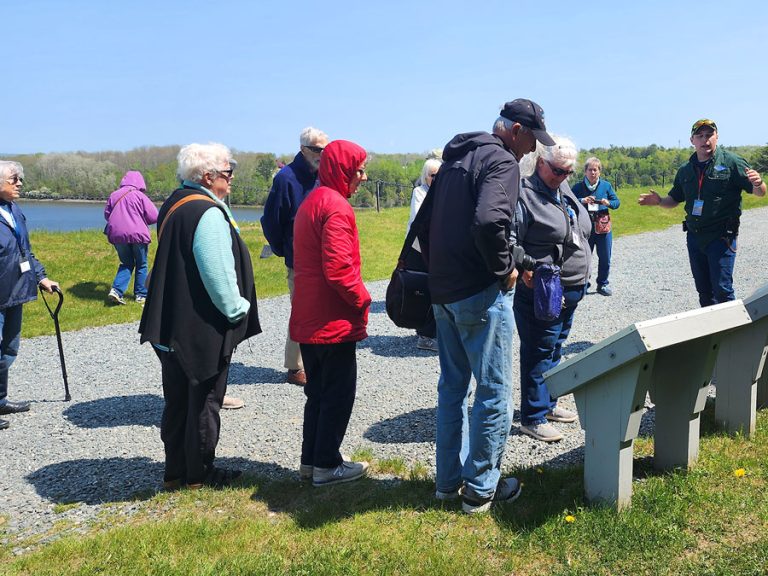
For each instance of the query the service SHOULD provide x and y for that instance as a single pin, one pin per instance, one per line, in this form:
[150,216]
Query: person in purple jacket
[128,213]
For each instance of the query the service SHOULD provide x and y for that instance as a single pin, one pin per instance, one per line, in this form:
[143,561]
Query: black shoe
[604,290]
[217,478]
[4,424]
[14,407]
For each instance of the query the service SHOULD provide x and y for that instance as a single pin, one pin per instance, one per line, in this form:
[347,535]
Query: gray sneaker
[544,432]
[562,415]
[344,472]
[425,343]
[450,495]
[507,490]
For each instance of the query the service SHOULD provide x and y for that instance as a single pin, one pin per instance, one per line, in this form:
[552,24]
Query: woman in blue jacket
[20,274]
[598,196]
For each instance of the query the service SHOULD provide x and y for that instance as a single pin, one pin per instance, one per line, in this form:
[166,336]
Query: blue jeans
[10,337]
[474,337]
[131,256]
[712,269]
[540,349]
[604,243]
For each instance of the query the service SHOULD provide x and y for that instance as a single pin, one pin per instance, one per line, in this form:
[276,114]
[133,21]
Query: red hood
[338,163]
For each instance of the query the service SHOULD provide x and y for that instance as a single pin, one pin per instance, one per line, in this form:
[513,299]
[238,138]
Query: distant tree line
[391,177]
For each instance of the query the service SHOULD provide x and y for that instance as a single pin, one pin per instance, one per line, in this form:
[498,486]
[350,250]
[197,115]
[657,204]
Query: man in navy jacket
[289,188]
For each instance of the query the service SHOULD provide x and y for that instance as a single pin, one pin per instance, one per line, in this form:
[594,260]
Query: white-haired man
[289,188]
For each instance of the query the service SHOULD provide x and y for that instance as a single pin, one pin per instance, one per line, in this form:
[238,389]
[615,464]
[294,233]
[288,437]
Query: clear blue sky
[395,76]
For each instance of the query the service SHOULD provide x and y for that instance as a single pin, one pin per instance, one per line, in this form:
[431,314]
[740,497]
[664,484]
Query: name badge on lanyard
[25,266]
[698,206]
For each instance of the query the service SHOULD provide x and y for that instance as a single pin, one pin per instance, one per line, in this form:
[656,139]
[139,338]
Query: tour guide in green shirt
[710,184]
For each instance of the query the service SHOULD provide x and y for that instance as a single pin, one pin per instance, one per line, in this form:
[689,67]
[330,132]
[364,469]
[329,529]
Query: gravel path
[103,447]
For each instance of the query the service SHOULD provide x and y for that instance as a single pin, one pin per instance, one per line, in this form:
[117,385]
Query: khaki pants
[293,359]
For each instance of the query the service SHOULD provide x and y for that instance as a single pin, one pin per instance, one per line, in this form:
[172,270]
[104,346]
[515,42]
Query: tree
[760,160]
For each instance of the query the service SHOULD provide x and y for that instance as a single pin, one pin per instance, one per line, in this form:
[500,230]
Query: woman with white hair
[200,305]
[20,275]
[553,228]
[426,334]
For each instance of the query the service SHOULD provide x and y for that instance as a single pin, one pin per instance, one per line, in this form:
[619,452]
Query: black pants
[330,390]
[190,425]
[414,261]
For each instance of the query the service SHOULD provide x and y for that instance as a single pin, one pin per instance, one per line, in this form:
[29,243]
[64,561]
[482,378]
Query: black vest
[178,312]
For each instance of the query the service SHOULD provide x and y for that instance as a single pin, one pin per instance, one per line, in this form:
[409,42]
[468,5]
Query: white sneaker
[115,297]
[141,300]
[452,495]
[344,472]
[562,415]
[544,432]
[232,403]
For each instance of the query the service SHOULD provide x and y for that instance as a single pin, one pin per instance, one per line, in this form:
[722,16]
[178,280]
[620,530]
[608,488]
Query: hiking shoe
[544,432]
[297,377]
[4,424]
[344,472]
[232,403]
[424,343]
[306,471]
[604,290]
[450,495]
[562,415]
[141,300]
[507,490]
[115,297]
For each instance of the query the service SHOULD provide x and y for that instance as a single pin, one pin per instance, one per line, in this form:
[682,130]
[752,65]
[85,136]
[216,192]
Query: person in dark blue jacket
[20,274]
[289,188]
[598,196]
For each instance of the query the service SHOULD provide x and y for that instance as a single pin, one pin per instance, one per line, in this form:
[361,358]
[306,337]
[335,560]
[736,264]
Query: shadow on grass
[138,410]
[543,496]
[91,291]
[415,426]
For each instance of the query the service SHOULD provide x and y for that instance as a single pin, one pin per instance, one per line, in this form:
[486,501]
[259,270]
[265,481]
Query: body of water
[63,216]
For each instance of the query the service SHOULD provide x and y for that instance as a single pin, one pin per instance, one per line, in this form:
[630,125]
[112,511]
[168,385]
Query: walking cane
[55,315]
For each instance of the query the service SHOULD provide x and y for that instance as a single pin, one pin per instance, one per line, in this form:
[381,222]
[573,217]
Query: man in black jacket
[472,275]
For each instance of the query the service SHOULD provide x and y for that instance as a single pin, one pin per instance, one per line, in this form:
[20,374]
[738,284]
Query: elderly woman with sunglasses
[200,305]
[20,275]
[553,227]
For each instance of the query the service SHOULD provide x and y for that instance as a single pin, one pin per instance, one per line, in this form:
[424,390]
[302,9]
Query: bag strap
[422,216]
[130,189]
[179,204]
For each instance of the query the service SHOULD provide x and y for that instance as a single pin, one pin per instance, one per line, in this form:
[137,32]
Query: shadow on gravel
[394,346]
[98,481]
[138,410]
[378,307]
[576,347]
[241,374]
[416,426]
[91,291]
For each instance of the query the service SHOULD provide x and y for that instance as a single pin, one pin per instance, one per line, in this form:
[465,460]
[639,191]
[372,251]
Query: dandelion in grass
[570,519]
[539,471]
[739,472]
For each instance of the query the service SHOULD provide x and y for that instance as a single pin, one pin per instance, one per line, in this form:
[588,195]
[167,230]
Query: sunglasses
[16,180]
[558,171]
[360,172]
[315,149]
[226,174]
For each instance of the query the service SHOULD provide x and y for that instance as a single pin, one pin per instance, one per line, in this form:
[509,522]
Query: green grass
[705,521]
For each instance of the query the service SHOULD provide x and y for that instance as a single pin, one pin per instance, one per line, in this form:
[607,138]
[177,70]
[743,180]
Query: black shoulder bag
[408,302]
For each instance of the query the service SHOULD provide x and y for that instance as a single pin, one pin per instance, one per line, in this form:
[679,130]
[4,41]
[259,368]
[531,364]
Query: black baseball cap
[530,115]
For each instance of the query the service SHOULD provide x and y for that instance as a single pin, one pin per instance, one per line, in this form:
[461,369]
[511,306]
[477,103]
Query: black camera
[521,258]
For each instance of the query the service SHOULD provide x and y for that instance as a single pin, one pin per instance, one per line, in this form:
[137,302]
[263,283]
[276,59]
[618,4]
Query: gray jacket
[549,233]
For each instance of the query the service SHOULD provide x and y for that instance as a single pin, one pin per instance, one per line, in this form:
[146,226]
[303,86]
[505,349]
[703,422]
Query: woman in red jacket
[330,311]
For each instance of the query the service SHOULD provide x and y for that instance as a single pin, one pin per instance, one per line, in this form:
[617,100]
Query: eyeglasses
[315,149]
[360,172]
[16,180]
[433,175]
[558,171]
